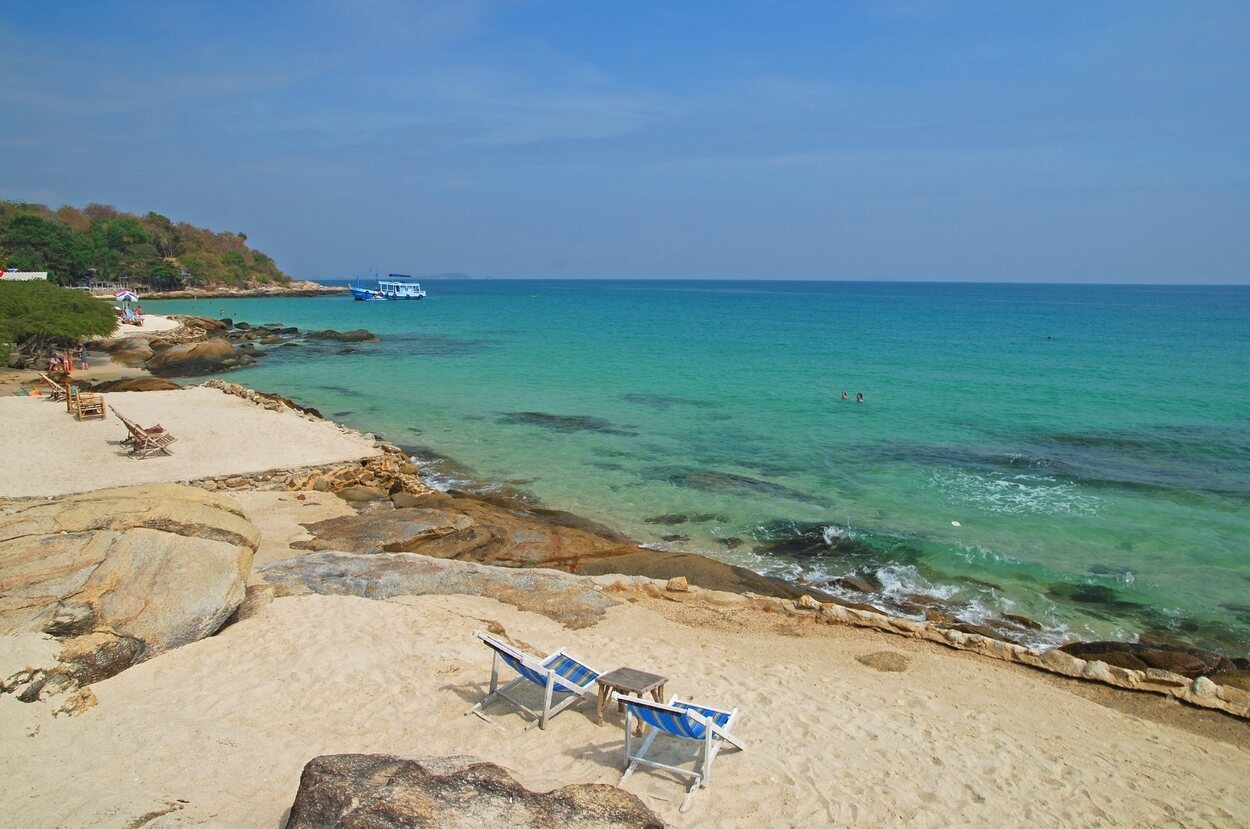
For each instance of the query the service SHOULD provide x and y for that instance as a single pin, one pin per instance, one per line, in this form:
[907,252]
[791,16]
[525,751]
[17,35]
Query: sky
[895,140]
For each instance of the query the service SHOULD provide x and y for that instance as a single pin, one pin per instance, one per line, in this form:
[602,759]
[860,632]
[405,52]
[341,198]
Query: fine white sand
[152,323]
[45,451]
[217,732]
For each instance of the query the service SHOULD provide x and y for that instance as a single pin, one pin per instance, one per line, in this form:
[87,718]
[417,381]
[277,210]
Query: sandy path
[45,451]
[218,731]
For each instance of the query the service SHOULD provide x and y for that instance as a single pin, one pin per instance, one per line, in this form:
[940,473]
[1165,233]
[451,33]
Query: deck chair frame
[145,443]
[540,674]
[59,392]
[714,738]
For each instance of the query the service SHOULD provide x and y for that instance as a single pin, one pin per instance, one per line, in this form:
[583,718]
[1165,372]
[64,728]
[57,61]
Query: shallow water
[1078,454]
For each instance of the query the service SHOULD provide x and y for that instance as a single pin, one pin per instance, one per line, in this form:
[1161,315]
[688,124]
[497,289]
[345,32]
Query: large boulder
[384,792]
[116,577]
[204,357]
[128,351]
[1186,661]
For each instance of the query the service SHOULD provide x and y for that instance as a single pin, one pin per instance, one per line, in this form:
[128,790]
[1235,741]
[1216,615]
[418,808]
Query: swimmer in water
[844,397]
[859,397]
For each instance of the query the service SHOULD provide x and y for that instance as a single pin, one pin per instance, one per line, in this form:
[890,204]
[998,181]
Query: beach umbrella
[127,296]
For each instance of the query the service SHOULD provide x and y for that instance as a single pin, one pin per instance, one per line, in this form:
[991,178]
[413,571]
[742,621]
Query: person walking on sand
[859,397]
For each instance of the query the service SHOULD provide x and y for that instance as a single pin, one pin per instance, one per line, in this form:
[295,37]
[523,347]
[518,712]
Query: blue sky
[1091,142]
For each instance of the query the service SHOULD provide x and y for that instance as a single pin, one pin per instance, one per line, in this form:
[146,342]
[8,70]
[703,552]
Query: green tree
[37,317]
[36,244]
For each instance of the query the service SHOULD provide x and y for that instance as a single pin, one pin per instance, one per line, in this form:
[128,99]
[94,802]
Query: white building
[22,276]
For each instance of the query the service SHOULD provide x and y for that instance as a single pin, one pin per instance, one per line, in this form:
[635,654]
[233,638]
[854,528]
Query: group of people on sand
[65,363]
[859,397]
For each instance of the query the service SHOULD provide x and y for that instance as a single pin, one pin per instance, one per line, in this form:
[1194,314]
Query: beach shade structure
[126,296]
[563,679]
[708,727]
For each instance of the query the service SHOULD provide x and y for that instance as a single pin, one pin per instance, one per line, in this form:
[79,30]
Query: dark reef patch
[711,481]
[564,423]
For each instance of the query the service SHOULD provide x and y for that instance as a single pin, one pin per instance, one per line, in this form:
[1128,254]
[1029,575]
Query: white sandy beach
[216,733]
[48,452]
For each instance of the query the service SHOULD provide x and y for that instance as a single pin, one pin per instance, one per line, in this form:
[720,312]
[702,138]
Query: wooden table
[632,681]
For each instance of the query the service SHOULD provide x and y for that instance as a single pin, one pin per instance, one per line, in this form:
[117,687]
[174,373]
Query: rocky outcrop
[115,577]
[1188,662]
[358,335]
[384,792]
[205,357]
[128,351]
[570,600]
[509,534]
[137,384]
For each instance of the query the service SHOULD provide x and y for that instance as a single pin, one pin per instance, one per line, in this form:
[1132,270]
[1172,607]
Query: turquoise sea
[1076,454]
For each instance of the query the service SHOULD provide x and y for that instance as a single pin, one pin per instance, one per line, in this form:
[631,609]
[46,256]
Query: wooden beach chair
[559,675]
[84,405]
[59,392]
[144,443]
[709,727]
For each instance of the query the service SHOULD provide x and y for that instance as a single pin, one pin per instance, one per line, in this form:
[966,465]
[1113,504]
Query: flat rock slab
[385,792]
[570,600]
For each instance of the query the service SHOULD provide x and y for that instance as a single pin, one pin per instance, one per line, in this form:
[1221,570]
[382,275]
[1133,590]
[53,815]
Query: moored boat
[396,286]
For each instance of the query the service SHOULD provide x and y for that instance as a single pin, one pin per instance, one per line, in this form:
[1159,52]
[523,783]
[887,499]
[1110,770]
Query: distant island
[100,248]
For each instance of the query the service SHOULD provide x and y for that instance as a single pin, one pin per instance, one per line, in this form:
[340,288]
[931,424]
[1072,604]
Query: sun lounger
[144,443]
[558,675]
[698,723]
[84,405]
[58,391]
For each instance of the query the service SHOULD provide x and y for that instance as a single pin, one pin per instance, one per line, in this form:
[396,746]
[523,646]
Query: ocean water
[1076,454]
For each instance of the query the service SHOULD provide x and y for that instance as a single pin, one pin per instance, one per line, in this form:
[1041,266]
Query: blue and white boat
[396,286]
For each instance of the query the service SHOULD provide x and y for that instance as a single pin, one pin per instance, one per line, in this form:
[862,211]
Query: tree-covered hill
[102,243]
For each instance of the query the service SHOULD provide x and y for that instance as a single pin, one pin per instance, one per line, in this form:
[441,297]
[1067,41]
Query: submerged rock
[739,484]
[564,423]
[375,791]
[358,335]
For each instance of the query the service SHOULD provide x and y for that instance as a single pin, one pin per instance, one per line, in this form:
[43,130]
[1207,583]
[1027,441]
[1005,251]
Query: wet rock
[671,518]
[861,583]
[885,661]
[674,537]
[384,792]
[358,335]
[1093,594]
[1023,621]
[732,542]
[1186,661]
[784,538]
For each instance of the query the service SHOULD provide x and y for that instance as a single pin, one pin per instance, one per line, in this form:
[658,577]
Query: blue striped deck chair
[564,679]
[701,723]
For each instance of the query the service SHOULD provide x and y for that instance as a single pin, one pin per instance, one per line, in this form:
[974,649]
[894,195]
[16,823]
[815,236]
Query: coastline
[327,645]
[704,572]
